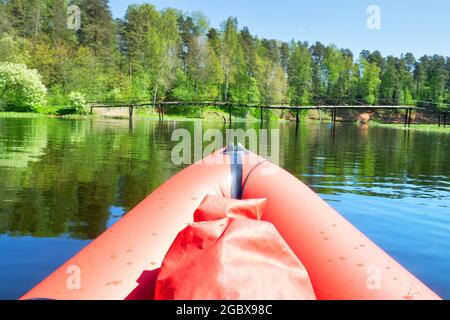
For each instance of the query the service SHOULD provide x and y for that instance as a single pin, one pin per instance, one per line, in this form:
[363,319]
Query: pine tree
[5,23]
[26,16]
[97,28]
[391,86]
[57,22]
[318,71]
[300,76]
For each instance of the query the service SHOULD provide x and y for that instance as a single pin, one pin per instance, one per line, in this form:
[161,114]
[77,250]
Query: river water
[63,182]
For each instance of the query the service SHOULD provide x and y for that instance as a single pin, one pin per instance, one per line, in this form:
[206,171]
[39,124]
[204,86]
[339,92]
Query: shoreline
[430,128]
[218,116]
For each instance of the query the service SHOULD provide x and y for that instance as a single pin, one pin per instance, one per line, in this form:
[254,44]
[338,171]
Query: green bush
[114,95]
[77,102]
[21,89]
[56,97]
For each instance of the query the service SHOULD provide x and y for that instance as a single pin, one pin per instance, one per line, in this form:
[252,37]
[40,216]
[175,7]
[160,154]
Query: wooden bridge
[161,105]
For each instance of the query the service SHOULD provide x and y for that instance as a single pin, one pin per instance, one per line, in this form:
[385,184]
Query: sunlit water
[64,182]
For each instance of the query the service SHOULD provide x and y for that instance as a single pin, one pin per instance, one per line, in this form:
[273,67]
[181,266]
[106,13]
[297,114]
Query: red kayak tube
[123,263]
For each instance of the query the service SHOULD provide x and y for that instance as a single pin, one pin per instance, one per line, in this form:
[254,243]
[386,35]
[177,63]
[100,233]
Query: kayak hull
[123,262]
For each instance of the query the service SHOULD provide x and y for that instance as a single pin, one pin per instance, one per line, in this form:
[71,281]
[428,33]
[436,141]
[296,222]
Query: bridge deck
[282,106]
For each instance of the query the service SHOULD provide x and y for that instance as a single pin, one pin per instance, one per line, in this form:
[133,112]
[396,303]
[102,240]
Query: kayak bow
[123,262]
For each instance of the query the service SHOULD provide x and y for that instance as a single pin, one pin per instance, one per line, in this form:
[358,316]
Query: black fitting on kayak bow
[235,152]
[233,149]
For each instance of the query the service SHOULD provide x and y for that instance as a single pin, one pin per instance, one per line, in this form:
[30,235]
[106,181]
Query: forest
[163,55]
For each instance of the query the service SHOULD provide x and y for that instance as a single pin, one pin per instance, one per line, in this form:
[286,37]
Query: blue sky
[420,27]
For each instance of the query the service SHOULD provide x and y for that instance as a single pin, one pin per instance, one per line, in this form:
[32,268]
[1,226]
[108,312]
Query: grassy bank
[213,114]
[39,111]
[28,115]
[414,127]
[206,113]
[5,114]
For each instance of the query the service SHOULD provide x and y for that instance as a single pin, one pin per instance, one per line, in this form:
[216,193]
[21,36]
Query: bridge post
[159,112]
[410,118]
[333,116]
[406,117]
[229,113]
[262,114]
[131,111]
[297,117]
[130,125]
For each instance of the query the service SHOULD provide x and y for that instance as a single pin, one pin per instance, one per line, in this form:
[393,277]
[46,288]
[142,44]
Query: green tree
[406,68]
[438,78]
[318,71]
[56,26]
[97,28]
[21,89]
[167,58]
[333,66]
[152,40]
[27,16]
[13,50]
[230,48]
[300,73]
[271,76]
[169,54]
[370,81]
[199,61]
[5,23]
[391,86]
[338,75]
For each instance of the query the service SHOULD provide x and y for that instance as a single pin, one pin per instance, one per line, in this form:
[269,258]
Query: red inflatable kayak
[123,263]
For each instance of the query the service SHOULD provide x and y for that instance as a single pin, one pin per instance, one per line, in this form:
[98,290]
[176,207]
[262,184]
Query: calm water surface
[64,182]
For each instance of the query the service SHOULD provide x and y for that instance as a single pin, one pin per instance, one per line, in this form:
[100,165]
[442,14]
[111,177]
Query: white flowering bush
[78,103]
[21,89]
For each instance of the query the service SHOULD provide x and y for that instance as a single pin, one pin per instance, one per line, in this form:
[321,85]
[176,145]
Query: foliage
[12,50]
[370,81]
[300,76]
[173,55]
[77,101]
[21,89]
